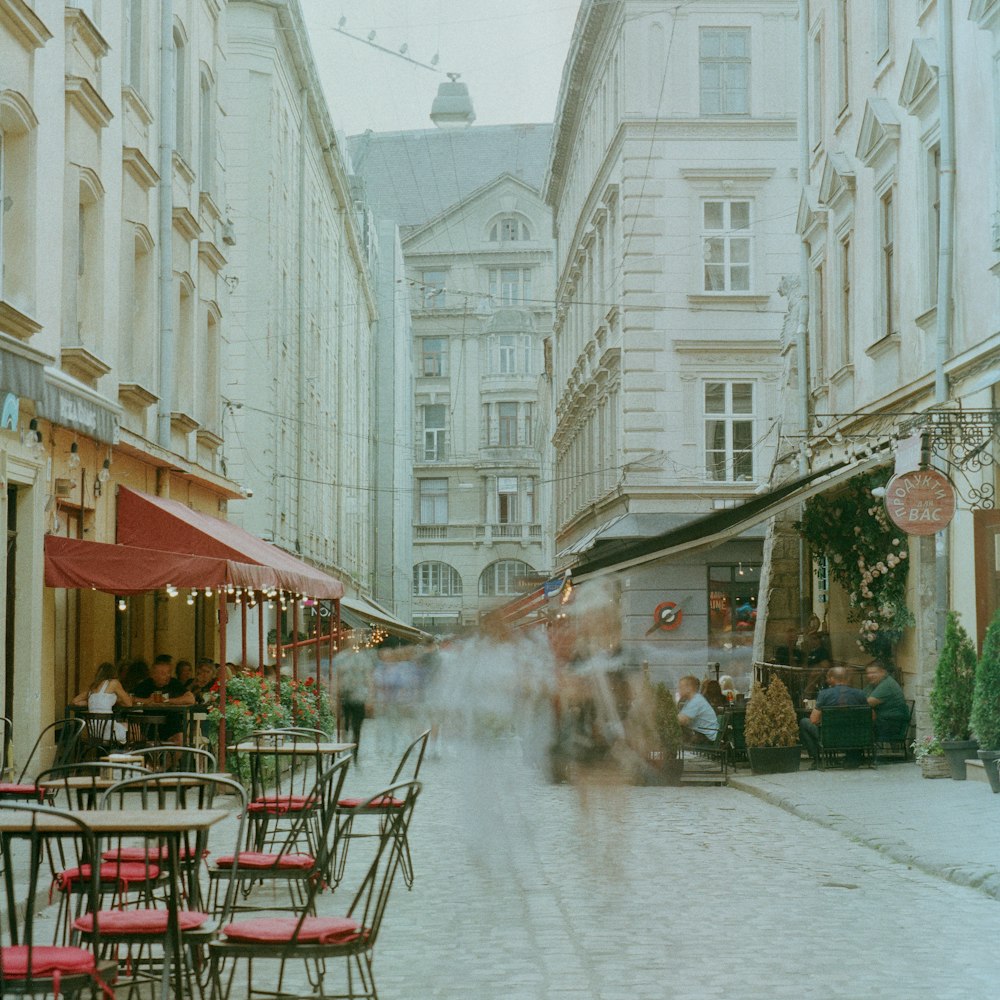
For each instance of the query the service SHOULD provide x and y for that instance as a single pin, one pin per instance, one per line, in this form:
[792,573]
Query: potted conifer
[986,703]
[668,735]
[951,697]
[772,730]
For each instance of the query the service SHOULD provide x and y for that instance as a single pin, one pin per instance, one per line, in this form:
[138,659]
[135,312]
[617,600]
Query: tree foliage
[954,682]
[986,694]
[771,719]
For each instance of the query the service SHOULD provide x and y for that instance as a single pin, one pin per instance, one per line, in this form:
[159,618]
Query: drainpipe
[300,447]
[945,277]
[802,323]
[168,126]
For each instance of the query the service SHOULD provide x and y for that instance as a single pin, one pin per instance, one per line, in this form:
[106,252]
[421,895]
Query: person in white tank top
[101,697]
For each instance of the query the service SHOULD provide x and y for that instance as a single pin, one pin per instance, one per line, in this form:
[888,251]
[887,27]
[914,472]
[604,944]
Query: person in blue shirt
[838,694]
[699,723]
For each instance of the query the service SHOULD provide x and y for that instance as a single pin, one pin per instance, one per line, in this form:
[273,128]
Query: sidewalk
[942,827]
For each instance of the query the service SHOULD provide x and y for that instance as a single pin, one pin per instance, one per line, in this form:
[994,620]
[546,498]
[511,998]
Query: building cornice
[143,172]
[24,25]
[82,95]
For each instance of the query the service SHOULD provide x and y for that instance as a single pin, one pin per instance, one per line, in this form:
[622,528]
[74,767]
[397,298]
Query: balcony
[523,533]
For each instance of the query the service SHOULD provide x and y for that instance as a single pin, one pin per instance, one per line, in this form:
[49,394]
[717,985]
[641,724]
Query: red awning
[169,526]
[128,569]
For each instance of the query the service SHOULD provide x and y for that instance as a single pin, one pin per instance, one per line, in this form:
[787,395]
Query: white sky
[510,53]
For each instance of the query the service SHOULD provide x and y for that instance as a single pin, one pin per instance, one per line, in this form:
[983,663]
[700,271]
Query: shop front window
[732,604]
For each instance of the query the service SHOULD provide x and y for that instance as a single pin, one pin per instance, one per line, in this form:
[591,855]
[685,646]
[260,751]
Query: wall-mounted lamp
[105,474]
[74,455]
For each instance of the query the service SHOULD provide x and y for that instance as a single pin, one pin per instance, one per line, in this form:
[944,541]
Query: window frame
[505,294]
[438,434]
[728,417]
[430,509]
[427,356]
[435,578]
[434,294]
[724,62]
[727,235]
[888,281]
[489,582]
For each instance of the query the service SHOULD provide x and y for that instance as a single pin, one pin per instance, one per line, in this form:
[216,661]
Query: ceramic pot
[774,760]
[990,759]
[957,752]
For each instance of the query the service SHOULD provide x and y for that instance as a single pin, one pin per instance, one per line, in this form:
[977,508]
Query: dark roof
[412,177]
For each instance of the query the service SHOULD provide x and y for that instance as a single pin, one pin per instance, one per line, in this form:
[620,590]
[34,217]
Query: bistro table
[193,715]
[302,748]
[170,825]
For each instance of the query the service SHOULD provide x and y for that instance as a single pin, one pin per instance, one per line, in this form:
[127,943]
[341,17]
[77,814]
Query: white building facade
[672,184]
[902,207]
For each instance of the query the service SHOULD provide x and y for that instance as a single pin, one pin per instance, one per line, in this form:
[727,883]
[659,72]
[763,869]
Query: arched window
[436,579]
[206,133]
[504,578]
[181,98]
[509,229]
[17,192]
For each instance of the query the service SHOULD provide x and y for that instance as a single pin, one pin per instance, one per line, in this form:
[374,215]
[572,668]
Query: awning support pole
[295,638]
[223,622]
[261,604]
[243,631]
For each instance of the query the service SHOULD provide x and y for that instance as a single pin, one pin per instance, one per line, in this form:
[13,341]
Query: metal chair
[170,757]
[79,786]
[318,940]
[66,734]
[28,968]
[716,754]
[143,926]
[847,730]
[898,741]
[98,737]
[352,808]
[284,865]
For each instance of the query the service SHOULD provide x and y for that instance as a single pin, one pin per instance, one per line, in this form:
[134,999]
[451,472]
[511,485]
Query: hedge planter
[990,759]
[774,760]
[957,752]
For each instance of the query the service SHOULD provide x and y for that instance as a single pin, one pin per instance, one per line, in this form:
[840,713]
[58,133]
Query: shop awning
[721,525]
[360,609]
[129,569]
[151,522]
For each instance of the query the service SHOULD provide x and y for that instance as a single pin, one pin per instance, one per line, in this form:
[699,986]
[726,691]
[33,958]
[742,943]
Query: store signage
[921,502]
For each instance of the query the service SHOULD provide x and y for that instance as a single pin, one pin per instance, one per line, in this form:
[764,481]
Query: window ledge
[134,100]
[842,374]
[17,323]
[888,343]
[927,320]
[723,300]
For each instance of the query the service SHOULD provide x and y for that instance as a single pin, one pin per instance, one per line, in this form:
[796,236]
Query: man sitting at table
[163,688]
[886,697]
[699,723]
[838,695]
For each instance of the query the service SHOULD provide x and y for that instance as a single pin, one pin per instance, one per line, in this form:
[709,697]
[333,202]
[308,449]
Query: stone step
[975,771]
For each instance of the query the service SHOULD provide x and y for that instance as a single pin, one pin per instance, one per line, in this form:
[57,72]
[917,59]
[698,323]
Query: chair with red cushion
[284,866]
[65,733]
[349,809]
[29,966]
[317,940]
[141,927]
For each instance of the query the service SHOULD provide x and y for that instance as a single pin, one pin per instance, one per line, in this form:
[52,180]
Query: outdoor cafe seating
[65,733]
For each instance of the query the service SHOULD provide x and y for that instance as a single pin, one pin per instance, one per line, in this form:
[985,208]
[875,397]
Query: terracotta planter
[774,760]
[957,752]
[991,760]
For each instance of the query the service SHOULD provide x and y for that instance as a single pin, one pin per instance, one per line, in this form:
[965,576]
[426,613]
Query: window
[529,500]
[180,93]
[846,318]
[510,286]
[509,229]
[886,239]
[206,140]
[436,579]
[17,219]
[434,294]
[726,241]
[881,29]
[90,248]
[433,495]
[133,74]
[724,68]
[433,356]
[504,578]
[529,430]
[732,604]
[512,354]
[729,409]
[816,96]
[933,219]
[817,296]
[843,55]
[507,499]
[507,424]
[435,442]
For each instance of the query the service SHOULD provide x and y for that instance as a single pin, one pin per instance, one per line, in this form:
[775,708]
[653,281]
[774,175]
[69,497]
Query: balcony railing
[509,532]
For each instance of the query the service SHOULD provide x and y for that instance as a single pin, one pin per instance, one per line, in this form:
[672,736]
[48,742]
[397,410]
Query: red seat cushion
[384,802]
[11,789]
[45,961]
[257,859]
[138,921]
[314,930]
[140,854]
[281,803]
[111,871]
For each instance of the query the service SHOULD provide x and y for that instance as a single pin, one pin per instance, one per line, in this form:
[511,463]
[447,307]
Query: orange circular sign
[667,616]
[920,502]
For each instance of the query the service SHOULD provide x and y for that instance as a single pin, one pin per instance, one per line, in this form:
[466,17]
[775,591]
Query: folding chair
[317,940]
[66,733]
[349,809]
[28,968]
[285,866]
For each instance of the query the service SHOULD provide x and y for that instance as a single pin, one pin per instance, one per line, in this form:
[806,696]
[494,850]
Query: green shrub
[986,695]
[668,727]
[771,719]
[954,682]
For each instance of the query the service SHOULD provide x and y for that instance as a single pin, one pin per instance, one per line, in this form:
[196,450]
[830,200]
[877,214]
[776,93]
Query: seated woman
[711,690]
[100,698]
[728,687]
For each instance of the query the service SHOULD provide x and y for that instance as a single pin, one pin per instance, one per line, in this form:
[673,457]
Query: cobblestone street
[527,891]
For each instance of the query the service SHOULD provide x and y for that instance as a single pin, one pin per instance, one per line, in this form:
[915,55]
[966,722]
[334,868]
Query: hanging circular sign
[920,502]
[667,616]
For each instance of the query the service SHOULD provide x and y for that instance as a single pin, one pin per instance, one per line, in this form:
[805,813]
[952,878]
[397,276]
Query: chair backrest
[47,833]
[847,727]
[408,768]
[369,903]
[6,738]
[179,758]
[274,771]
[80,786]
[66,734]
